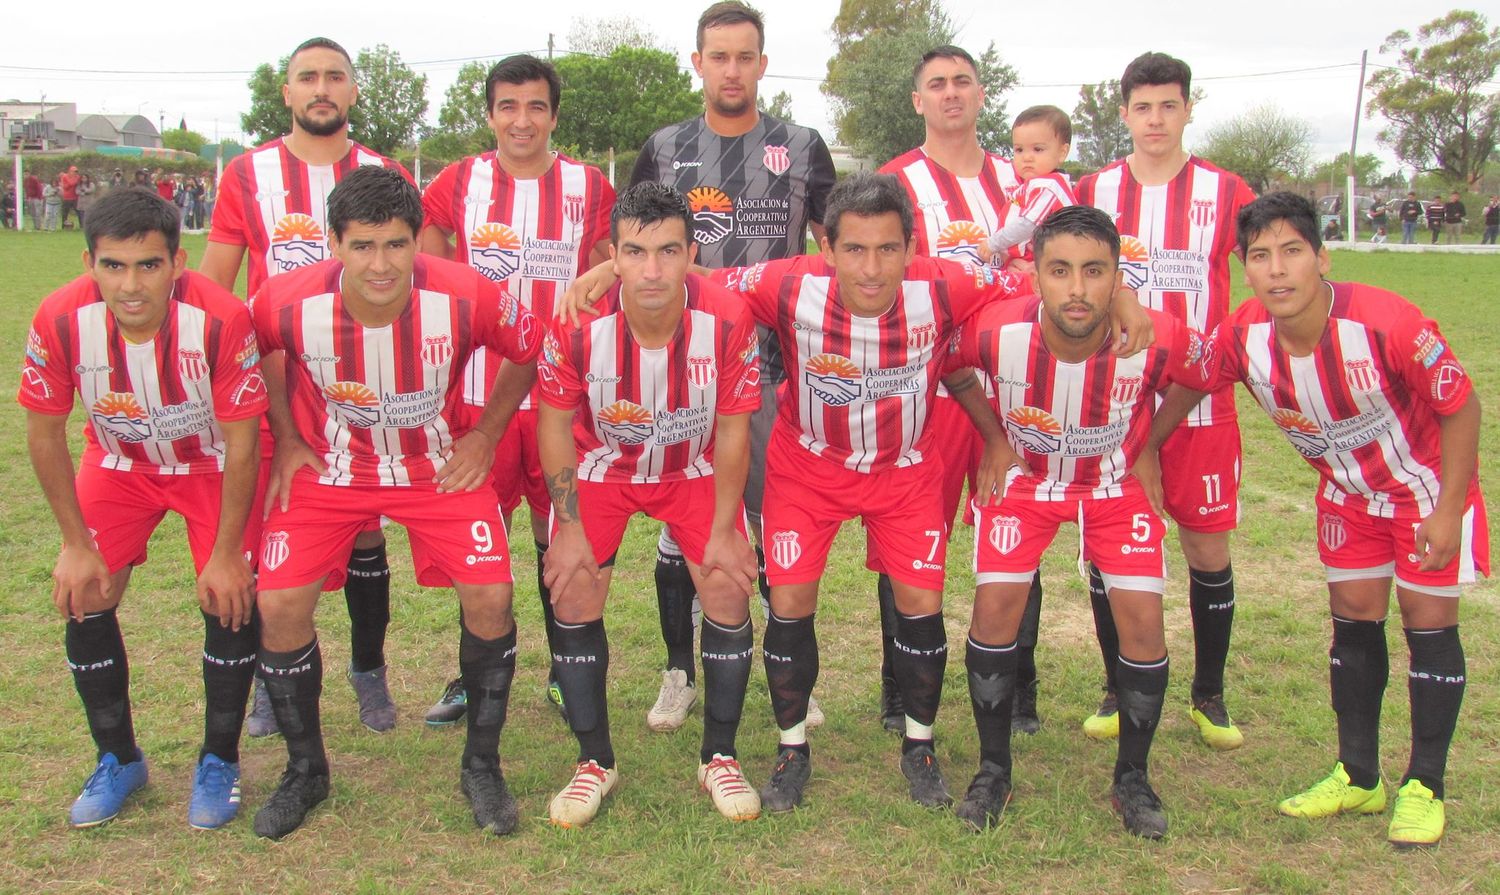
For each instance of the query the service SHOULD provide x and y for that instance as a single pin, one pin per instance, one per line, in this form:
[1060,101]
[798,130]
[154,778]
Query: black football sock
[1141,688]
[1211,601]
[992,690]
[790,652]
[674,604]
[1436,684]
[294,682]
[887,597]
[726,653]
[1358,666]
[487,667]
[549,620]
[96,656]
[921,655]
[367,592]
[581,665]
[1026,637]
[762,583]
[228,669]
[1104,627]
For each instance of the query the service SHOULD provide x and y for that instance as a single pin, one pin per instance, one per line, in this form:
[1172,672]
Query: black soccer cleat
[783,791]
[987,797]
[1138,806]
[1023,716]
[495,809]
[295,795]
[925,778]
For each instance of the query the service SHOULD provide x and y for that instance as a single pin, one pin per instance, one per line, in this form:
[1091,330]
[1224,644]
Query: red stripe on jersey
[944,202]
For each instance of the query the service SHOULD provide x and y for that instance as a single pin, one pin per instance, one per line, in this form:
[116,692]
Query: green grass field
[396,821]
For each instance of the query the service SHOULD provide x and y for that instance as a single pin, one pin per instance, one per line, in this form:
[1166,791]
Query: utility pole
[549,46]
[1359,103]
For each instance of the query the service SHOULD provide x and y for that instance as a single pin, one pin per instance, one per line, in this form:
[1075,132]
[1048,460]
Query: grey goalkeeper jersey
[752,196]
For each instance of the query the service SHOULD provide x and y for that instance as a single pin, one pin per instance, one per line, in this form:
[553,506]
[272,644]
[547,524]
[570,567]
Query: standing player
[960,193]
[375,343]
[647,409]
[273,203]
[1369,392]
[1175,213]
[1075,416]
[166,365]
[755,185]
[531,220]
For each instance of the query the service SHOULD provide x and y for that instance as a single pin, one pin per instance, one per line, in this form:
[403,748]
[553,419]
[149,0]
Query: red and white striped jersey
[152,407]
[380,404]
[859,390]
[1175,243]
[1034,201]
[955,215]
[647,414]
[532,236]
[1077,426]
[1363,408]
[276,206]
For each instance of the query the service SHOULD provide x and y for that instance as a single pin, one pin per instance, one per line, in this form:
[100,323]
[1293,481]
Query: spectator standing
[1379,217]
[1435,217]
[1410,214]
[88,194]
[197,208]
[68,182]
[210,196]
[116,179]
[166,187]
[143,178]
[33,187]
[9,201]
[1454,215]
[1491,221]
[52,203]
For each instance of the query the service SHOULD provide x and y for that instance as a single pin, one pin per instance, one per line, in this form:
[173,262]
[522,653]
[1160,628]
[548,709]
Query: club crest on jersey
[834,379]
[1034,429]
[119,414]
[1446,380]
[572,204]
[1304,434]
[749,383]
[191,365]
[777,160]
[701,372]
[625,422]
[1126,389]
[785,551]
[1331,532]
[436,350]
[275,550]
[1361,374]
[921,336]
[962,241]
[1005,534]
[495,251]
[1203,213]
[355,403]
[1133,261]
[713,214]
[251,388]
[297,241]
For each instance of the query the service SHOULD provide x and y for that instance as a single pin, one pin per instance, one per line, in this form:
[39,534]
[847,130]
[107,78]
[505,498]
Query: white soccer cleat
[579,801]
[725,781]
[814,714]
[673,701]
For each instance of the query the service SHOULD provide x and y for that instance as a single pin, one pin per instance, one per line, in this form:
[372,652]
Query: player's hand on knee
[1129,323]
[289,456]
[731,557]
[994,473]
[569,562]
[1147,470]
[226,589]
[466,463]
[80,581]
[1438,539]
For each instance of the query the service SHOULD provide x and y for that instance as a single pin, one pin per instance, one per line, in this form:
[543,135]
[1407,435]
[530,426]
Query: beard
[1078,329]
[732,109]
[326,127]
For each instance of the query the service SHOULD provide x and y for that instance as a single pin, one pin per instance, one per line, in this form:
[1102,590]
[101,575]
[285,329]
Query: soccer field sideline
[657,833]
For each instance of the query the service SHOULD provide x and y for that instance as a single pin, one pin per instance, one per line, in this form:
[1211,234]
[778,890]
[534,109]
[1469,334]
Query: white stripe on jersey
[602,379]
[270,198]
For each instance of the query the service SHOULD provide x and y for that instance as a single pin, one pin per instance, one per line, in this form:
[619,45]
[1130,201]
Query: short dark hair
[1083,221]
[868,195]
[1155,70]
[1257,217]
[649,202]
[1051,116]
[325,43]
[131,212]
[372,194]
[731,12]
[946,51]
[522,69]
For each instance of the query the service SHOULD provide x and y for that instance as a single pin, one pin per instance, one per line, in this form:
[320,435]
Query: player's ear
[88,261]
[827,248]
[692,253]
[1324,264]
[1067,150]
[286,94]
[179,263]
[764,61]
[697,63]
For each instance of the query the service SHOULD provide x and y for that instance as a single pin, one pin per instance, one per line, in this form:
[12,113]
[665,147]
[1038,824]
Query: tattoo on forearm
[563,489]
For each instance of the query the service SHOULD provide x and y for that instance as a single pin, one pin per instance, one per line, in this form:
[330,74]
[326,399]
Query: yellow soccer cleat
[1334,794]
[1214,725]
[1105,723]
[1418,818]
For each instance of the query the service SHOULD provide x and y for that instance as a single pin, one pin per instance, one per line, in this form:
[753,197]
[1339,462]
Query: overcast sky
[192,62]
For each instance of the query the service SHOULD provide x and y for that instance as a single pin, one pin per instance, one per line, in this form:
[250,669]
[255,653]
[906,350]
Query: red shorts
[1120,535]
[808,498]
[686,507]
[517,471]
[1355,545]
[122,509]
[1200,475]
[960,446]
[454,537]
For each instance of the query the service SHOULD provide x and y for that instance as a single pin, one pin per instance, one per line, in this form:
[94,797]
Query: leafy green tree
[183,140]
[392,100]
[600,37]
[463,127]
[268,117]
[1263,146]
[779,107]
[1439,98]
[621,99]
[1368,172]
[1099,133]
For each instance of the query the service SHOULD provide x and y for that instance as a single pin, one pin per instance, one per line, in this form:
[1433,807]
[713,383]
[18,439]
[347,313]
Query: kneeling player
[375,342]
[1076,415]
[165,363]
[1369,392]
[665,378]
